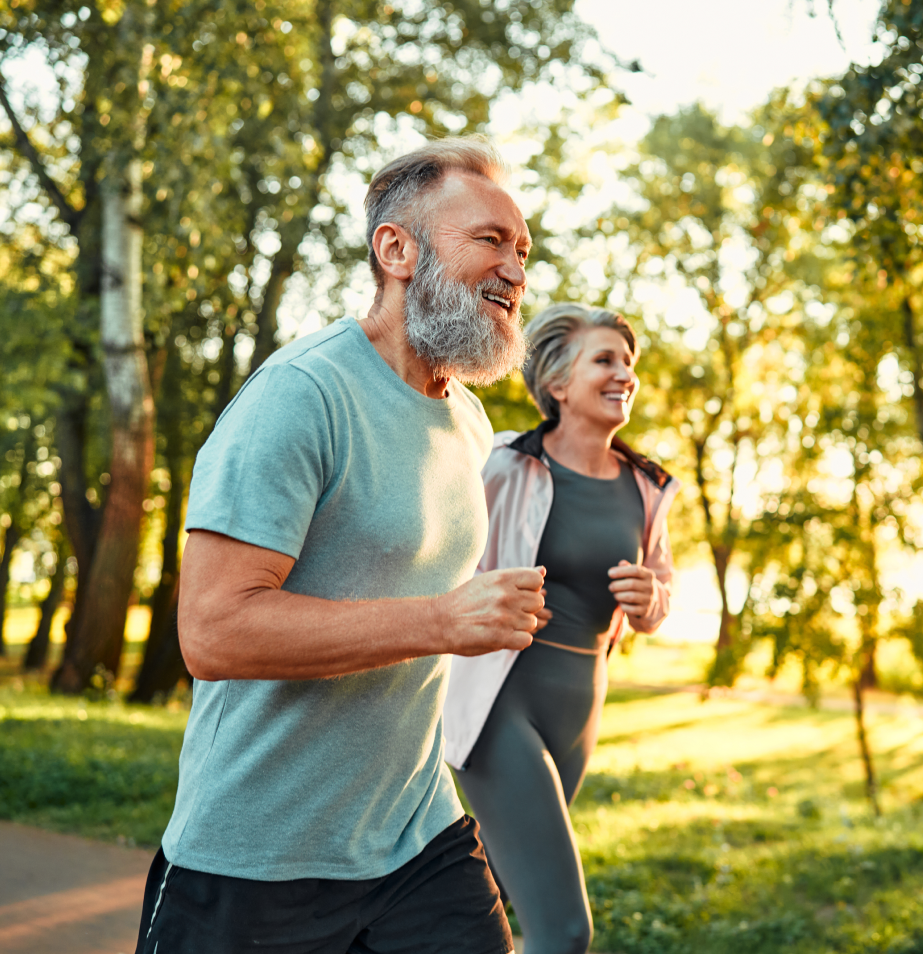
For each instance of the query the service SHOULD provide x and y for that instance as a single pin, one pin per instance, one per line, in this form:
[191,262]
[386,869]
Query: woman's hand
[633,588]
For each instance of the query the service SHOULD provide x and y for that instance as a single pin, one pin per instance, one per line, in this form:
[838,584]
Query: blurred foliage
[871,146]
[508,405]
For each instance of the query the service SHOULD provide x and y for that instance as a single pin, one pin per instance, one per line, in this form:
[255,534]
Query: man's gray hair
[395,192]
[554,335]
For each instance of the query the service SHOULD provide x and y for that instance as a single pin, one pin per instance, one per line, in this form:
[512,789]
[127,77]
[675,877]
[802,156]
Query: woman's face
[603,382]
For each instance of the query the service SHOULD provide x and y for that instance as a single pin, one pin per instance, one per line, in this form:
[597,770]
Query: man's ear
[396,251]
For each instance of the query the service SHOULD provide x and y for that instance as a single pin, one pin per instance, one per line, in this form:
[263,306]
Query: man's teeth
[501,301]
[616,396]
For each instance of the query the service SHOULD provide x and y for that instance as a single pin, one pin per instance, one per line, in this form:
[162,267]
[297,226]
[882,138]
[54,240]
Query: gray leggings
[524,771]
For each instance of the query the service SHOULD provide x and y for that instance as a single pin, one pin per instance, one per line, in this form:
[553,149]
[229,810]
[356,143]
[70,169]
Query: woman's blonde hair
[554,334]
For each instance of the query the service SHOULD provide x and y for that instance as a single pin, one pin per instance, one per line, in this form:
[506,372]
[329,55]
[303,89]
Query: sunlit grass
[729,827]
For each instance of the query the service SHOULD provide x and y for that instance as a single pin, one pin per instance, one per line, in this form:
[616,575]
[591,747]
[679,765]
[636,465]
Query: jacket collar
[530,442]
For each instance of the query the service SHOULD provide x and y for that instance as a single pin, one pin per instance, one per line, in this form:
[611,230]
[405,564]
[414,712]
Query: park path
[60,894]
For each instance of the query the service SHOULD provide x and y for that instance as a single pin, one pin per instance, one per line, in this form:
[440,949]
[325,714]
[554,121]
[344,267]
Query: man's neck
[384,327]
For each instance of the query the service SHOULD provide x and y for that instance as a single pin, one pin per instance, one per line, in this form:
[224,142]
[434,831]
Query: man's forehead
[482,202]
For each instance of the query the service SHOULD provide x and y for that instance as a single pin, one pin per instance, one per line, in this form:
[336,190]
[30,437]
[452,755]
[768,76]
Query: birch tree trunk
[101,627]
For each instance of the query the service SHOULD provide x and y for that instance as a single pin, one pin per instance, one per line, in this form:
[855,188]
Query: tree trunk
[37,653]
[725,633]
[10,541]
[916,361]
[267,320]
[14,531]
[871,784]
[164,665]
[224,390]
[81,521]
[869,675]
[100,628]
[163,662]
[725,666]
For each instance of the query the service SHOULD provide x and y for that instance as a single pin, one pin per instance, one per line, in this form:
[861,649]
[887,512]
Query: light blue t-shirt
[328,456]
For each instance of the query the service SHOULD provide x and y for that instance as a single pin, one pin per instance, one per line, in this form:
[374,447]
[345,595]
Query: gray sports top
[592,525]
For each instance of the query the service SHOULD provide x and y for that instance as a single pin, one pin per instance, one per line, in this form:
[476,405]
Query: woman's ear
[396,251]
[557,391]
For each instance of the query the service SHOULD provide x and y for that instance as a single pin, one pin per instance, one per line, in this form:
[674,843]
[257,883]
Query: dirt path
[60,894]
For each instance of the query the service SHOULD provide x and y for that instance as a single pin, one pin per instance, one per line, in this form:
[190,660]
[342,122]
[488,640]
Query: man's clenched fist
[495,610]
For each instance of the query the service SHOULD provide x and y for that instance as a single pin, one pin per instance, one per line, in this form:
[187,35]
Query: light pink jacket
[519,488]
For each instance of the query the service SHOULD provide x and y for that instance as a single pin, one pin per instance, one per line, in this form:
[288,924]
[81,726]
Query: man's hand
[496,610]
[633,588]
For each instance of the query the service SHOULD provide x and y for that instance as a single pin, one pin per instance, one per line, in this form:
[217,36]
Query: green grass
[716,828]
[727,827]
[101,769]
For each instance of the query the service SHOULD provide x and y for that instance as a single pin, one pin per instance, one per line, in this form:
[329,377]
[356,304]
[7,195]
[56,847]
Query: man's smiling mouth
[504,302]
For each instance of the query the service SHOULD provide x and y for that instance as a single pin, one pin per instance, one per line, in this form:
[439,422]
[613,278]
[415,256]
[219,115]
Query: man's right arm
[236,622]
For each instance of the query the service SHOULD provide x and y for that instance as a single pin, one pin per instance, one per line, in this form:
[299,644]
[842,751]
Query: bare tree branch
[68,213]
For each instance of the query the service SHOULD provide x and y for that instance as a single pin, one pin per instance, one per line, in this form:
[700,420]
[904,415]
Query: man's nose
[513,270]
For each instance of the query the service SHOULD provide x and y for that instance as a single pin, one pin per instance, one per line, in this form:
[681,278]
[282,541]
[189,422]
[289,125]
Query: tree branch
[68,213]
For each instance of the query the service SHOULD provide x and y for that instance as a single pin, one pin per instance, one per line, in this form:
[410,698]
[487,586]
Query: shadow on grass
[632,694]
[649,732]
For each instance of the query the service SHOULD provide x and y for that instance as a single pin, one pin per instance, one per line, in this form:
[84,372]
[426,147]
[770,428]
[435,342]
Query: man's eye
[492,239]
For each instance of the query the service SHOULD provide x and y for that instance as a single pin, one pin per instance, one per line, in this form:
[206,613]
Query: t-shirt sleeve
[259,476]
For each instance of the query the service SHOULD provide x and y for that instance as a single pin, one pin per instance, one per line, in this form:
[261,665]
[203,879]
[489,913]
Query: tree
[871,133]
[36,654]
[31,299]
[251,124]
[718,217]
[849,500]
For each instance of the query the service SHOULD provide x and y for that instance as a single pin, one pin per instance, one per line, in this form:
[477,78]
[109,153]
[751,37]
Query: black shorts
[445,900]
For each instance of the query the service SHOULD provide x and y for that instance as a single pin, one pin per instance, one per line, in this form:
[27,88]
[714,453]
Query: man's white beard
[447,325]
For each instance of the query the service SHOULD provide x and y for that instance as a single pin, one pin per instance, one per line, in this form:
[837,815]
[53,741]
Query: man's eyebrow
[503,230]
